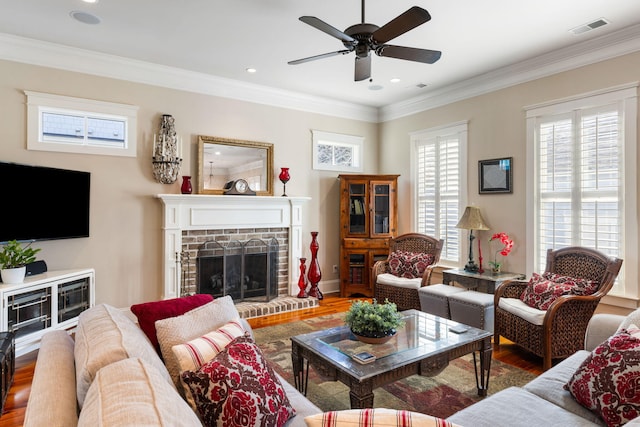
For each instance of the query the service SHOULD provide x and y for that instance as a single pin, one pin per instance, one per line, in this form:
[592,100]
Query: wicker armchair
[562,329]
[405,291]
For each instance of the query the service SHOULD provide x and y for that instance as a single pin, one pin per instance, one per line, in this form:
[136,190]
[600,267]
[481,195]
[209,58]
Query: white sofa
[111,375]
[544,401]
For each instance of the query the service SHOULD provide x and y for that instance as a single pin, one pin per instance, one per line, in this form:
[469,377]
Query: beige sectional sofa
[544,401]
[109,374]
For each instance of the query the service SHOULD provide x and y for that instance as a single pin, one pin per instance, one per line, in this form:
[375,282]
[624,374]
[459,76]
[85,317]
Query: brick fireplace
[190,220]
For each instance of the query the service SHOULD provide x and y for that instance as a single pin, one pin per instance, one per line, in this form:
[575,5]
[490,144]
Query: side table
[7,365]
[481,282]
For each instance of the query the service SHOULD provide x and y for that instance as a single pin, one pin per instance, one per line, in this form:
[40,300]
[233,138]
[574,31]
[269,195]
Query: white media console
[44,302]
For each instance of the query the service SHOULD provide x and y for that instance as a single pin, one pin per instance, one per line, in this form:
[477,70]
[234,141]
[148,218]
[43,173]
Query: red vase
[314,274]
[284,178]
[186,185]
[302,281]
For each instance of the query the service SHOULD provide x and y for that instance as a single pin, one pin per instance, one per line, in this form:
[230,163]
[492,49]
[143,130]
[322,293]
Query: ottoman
[434,299]
[472,308]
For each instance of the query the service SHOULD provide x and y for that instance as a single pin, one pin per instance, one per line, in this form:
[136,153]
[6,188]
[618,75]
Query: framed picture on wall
[495,175]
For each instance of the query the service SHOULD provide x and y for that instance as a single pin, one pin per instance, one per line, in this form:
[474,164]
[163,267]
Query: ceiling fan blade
[409,53]
[323,26]
[324,55]
[363,68]
[401,24]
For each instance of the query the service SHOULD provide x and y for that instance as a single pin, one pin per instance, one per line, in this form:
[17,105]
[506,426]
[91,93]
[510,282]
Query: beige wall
[125,244]
[497,129]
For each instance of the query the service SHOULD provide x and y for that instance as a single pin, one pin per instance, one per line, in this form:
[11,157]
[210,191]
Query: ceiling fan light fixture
[364,38]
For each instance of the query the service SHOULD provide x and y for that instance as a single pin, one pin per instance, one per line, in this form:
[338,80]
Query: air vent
[421,85]
[590,26]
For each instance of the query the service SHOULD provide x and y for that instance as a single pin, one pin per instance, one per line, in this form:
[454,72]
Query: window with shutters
[439,164]
[579,176]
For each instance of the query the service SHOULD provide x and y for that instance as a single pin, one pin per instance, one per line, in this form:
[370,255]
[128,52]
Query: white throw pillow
[131,392]
[192,324]
[105,335]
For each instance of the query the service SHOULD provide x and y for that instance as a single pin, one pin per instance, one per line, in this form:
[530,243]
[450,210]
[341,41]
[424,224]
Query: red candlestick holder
[302,281]
[314,268]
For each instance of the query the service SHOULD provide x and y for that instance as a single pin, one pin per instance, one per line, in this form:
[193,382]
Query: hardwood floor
[14,409]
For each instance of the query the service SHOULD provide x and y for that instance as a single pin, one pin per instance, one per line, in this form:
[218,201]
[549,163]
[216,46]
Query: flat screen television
[43,203]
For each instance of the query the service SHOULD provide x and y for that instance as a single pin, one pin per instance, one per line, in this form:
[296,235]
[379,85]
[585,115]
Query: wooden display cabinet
[368,218]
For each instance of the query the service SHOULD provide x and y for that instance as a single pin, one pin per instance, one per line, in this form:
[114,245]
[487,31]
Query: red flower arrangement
[508,245]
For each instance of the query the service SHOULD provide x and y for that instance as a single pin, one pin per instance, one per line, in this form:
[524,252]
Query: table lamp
[471,220]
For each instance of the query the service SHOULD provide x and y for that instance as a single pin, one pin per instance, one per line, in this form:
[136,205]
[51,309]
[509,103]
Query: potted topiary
[13,260]
[373,323]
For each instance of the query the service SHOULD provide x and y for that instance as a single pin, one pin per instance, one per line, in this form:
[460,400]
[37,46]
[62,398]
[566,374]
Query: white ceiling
[223,38]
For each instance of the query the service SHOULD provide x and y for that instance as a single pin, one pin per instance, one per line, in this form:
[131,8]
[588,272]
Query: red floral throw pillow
[583,286]
[239,388]
[542,291]
[409,264]
[608,381]
[149,312]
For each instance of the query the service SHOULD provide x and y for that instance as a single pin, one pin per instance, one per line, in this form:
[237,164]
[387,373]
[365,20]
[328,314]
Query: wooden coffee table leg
[361,395]
[482,376]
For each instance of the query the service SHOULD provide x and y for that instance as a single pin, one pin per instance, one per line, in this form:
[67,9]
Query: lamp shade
[472,220]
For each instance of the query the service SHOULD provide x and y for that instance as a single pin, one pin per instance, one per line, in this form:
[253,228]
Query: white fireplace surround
[207,212]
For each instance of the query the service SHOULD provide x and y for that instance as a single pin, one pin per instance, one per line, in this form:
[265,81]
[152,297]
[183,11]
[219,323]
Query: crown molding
[35,52]
[20,49]
[580,54]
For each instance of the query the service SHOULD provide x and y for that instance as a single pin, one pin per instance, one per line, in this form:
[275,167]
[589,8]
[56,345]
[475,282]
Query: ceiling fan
[365,38]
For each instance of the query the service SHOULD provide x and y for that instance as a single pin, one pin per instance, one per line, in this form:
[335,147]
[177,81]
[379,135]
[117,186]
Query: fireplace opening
[247,271]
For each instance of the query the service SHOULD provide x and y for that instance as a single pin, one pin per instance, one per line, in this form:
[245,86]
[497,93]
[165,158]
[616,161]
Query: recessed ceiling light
[395,80]
[90,1]
[251,70]
[84,17]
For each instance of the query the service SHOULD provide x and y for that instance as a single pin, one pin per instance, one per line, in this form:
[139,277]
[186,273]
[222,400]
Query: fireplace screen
[247,271]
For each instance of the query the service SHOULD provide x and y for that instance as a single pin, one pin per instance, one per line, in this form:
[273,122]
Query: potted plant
[13,260]
[373,322]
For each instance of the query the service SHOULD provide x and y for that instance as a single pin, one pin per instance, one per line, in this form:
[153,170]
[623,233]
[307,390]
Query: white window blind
[579,177]
[438,181]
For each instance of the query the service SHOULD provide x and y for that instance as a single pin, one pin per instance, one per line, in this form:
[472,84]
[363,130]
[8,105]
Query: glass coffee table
[423,346]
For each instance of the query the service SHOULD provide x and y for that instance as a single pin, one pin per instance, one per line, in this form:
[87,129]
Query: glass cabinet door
[358,208]
[382,208]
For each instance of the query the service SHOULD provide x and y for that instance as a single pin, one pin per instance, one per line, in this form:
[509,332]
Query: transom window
[61,123]
[337,152]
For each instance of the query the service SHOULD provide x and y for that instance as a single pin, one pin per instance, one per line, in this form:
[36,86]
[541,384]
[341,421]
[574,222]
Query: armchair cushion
[607,381]
[542,291]
[409,265]
[518,308]
[400,282]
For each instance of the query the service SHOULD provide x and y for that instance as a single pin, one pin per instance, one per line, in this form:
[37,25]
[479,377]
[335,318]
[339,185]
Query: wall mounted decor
[495,175]
[222,160]
[167,152]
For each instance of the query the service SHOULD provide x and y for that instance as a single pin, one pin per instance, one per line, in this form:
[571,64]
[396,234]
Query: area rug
[441,396]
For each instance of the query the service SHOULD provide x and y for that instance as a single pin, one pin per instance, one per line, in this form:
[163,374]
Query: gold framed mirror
[221,160]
